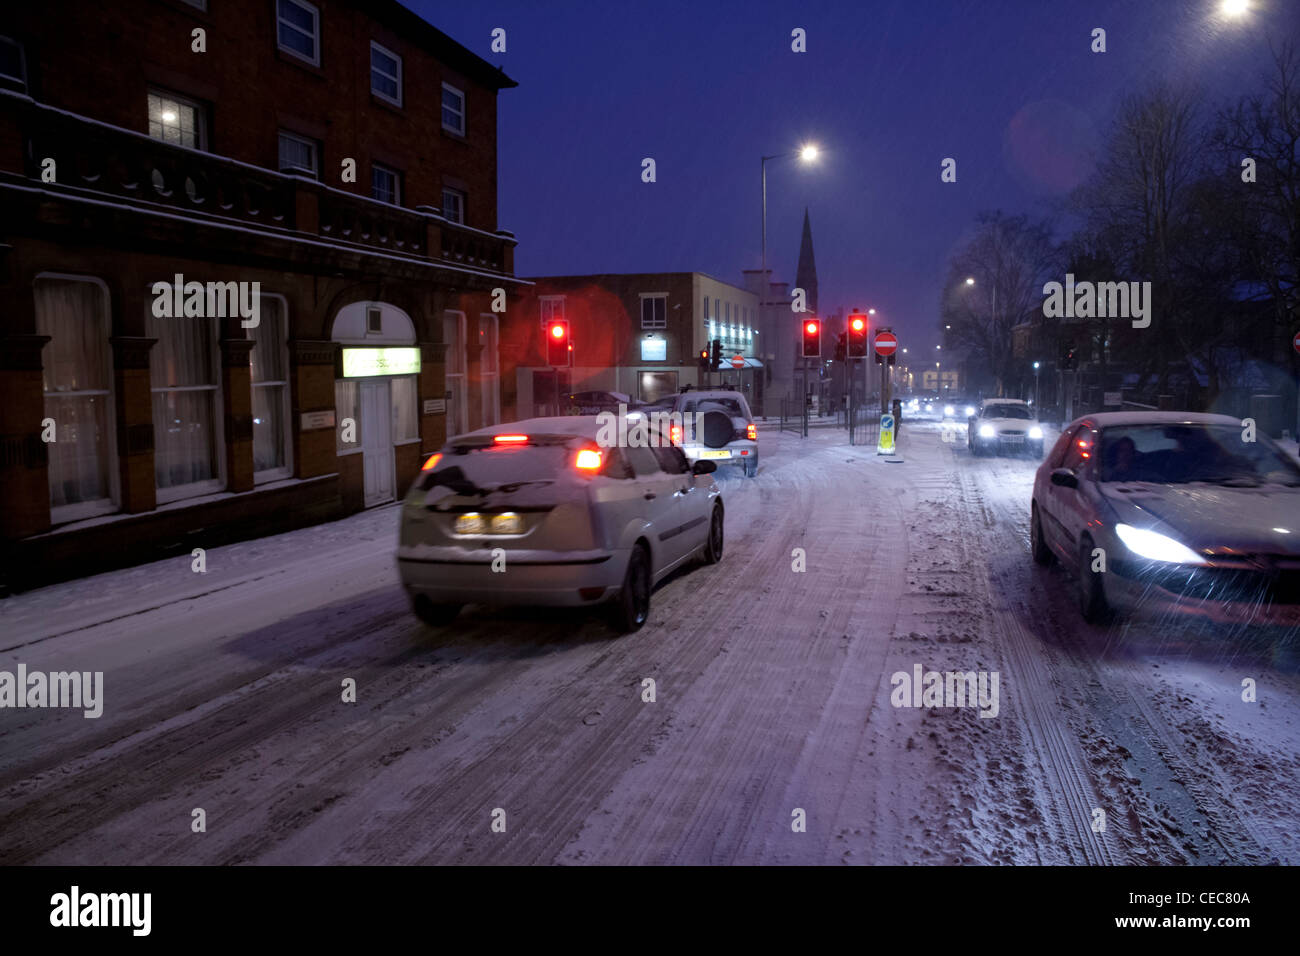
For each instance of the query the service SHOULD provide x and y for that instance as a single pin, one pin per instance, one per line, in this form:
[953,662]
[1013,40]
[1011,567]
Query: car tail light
[588,460]
[675,434]
[751,431]
[511,439]
[432,462]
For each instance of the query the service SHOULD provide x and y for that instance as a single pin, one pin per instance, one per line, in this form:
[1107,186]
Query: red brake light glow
[432,462]
[588,460]
[511,439]
[675,434]
[751,431]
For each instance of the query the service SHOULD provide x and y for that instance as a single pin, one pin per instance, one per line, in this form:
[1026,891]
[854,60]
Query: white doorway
[377,442]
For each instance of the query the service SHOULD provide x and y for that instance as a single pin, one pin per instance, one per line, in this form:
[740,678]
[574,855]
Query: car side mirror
[703,467]
[1065,478]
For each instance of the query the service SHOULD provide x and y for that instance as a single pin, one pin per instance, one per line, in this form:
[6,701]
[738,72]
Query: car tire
[1038,545]
[1092,592]
[434,615]
[751,466]
[632,606]
[713,545]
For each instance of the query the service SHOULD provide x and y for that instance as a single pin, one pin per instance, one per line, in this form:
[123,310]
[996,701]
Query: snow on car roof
[1105,419]
[579,426]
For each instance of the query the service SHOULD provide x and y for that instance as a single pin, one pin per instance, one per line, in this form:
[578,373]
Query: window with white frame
[13,64]
[489,369]
[385,74]
[269,372]
[297,29]
[78,375]
[406,423]
[453,334]
[453,109]
[347,416]
[186,406]
[654,311]
[552,307]
[174,119]
[385,184]
[298,154]
[453,205]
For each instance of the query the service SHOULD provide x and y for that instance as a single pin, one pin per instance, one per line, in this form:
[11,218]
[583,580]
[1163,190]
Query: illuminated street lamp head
[871,311]
[1035,365]
[808,153]
[1234,8]
[970,280]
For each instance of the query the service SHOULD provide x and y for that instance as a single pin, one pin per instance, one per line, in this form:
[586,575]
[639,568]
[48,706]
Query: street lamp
[806,154]
[1036,365]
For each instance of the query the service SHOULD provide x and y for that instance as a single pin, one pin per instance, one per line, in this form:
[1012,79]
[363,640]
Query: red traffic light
[557,330]
[811,328]
[812,339]
[857,323]
[558,347]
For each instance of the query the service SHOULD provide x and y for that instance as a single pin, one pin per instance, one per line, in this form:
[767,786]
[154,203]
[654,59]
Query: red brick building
[333,162]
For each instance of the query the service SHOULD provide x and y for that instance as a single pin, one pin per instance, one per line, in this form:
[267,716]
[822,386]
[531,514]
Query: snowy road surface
[773,702]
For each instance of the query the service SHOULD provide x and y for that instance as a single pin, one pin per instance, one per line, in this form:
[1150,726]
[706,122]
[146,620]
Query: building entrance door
[377,442]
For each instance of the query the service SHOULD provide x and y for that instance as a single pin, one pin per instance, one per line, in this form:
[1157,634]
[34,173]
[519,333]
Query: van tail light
[511,439]
[588,460]
[432,462]
[675,434]
[751,431]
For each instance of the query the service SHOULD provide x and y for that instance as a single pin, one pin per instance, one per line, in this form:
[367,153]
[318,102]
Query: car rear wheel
[713,546]
[435,615]
[632,606]
[1042,553]
[1092,592]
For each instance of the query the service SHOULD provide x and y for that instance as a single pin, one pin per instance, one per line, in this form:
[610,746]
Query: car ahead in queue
[539,513]
[595,402]
[1166,514]
[1004,425]
[716,426]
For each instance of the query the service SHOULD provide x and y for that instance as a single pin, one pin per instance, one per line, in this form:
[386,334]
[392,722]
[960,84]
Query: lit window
[385,74]
[173,119]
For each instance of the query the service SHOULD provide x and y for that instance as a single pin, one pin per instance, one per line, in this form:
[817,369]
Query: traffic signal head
[559,350]
[857,336]
[812,338]
[715,354]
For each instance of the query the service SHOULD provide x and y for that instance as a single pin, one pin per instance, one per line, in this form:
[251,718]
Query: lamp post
[807,154]
[1036,364]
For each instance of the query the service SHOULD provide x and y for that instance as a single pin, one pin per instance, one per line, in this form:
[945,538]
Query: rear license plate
[721,453]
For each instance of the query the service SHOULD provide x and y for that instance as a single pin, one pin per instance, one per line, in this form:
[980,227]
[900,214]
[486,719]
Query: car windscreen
[1008,411]
[1181,453]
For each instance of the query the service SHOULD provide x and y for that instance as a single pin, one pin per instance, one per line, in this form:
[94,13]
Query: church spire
[805,276]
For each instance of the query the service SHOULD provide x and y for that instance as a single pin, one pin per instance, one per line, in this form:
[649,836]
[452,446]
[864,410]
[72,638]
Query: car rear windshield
[1179,453]
[1007,411]
[497,465]
[729,405]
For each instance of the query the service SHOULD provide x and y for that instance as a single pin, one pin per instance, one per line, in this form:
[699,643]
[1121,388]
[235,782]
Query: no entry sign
[1296,341]
[886,343]
[738,361]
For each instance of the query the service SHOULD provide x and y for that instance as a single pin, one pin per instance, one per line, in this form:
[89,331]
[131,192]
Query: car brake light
[511,439]
[588,459]
[432,462]
[675,434]
[751,431]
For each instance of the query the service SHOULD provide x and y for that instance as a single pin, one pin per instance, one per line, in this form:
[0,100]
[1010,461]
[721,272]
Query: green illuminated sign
[364,363]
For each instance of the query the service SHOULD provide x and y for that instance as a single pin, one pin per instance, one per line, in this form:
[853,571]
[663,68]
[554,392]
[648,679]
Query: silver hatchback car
[1172,515]
[539,512]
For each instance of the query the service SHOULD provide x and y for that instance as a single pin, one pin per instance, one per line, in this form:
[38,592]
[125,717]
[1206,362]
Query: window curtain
[76,377]
[183,378]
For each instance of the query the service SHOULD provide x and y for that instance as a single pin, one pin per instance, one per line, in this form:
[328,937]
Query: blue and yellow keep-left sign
[885,445]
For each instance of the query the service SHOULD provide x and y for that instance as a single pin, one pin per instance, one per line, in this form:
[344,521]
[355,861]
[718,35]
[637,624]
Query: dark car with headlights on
[1172,514]
[1004,425]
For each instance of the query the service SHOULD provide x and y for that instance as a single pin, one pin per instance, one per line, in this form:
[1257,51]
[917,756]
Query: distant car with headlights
[539,512]
[1169,514]
[1004,426]
[716,426]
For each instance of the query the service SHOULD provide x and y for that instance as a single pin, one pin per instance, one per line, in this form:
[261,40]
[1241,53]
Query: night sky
[887,89]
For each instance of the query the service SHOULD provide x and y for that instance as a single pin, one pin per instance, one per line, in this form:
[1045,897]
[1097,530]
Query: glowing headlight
[987,431]
[1155,546]
[970,410]
[469,524]
[507,523]
[948,410]
[1035,432]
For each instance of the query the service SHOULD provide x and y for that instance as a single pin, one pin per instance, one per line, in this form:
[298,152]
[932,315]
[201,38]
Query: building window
[186,406]
[198,4]
[13,65]
[385,184]
[406,423]
[174,119]
[453,109]
[298,154]
[78,375]
[552,308]
[385,74]
[374,321]
[489,369]
[654,311]
[453,205]
[269,367]
[347,416]
[297,25]
[453,335]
